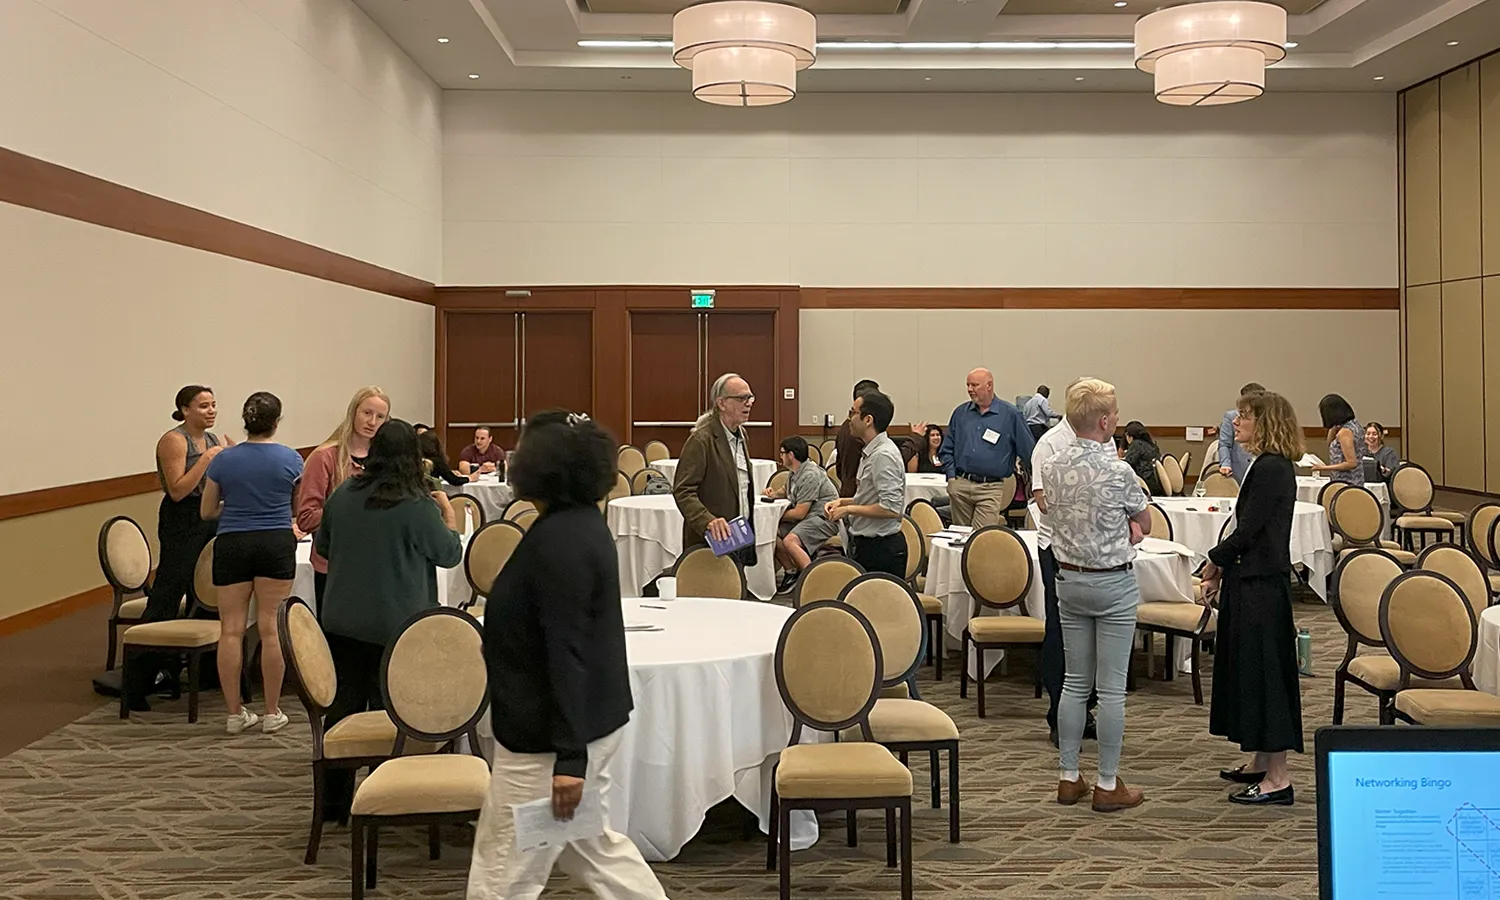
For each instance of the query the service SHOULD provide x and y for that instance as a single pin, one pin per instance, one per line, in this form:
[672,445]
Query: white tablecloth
[925,486]
[492,493]
[761,471]
[1164,577]
[452,584]
[1487,658]
[1195,527]
[648,540]
[708,721]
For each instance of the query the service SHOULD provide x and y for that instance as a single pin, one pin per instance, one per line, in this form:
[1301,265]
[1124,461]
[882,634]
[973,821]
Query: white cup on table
[666,588]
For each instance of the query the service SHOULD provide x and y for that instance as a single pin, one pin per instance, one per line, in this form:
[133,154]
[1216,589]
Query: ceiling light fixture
[1453,43]
[1120,4]
[744,52]
[1380,78]
[473,74]
[442,40]
[1078,78]
[1212,53]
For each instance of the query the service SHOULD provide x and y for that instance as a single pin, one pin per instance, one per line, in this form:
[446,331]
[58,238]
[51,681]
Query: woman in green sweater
[384,536]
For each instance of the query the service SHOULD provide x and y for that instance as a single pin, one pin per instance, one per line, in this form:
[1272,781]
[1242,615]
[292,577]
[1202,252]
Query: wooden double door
[501,366]
[675,356]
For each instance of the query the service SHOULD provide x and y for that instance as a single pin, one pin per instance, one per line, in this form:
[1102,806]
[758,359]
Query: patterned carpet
[156,808]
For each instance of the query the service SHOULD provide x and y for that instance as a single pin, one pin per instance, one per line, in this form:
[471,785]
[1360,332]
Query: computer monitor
[1408,812]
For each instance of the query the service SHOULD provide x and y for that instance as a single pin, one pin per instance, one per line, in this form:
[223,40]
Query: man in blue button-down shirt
[985,438]
[1234,460]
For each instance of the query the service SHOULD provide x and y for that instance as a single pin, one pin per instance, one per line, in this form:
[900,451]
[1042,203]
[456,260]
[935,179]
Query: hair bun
[178,416]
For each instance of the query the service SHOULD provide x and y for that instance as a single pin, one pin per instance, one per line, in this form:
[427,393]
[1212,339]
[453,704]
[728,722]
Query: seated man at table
[804,529]
[483,456]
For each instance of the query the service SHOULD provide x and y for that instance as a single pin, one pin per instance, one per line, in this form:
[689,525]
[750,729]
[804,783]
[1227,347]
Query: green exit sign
[703,299]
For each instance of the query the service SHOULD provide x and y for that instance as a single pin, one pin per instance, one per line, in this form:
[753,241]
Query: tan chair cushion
[1451,515]
[896,692]
[410,785]
[839,772]
[1428,523]
[134,609]
[190,633]
[1176,616]
[1381,672]
[1404,557]
[1007,629]
[1431,707]
[930,604]
[895,721]
[368,734]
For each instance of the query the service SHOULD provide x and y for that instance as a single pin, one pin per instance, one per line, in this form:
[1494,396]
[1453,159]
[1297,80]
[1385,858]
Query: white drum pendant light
[1212,53]
[744,52]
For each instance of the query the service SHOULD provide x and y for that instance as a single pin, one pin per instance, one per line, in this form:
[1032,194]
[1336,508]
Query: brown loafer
[1121,797]
[1070,792]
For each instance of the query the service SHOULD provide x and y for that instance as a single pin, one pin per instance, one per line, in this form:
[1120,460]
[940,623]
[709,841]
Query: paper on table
[1157,545]
[536,829]
[1309,459]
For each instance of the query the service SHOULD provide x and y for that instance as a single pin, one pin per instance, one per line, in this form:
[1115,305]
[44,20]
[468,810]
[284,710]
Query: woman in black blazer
[1256,698]
[554,641]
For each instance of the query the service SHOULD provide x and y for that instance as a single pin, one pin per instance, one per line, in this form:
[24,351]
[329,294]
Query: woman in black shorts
[249,491]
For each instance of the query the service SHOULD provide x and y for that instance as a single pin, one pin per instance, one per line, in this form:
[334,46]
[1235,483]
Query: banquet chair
[515,508]
[701,574]
[833,471]
[1480,530]
[814,455]
[125,559]
[1194,622]
[524,519]
[1161,526]
[1217,484]
[1143,485]
[825,579]
[466,507]
[1162,479]
[354,742]
[621,488]
[639,480]
[828,667]
[181,637]
[1183,463]
[1174,472]
[1462,569]
[904,725]
[1411,496]
[779,481]
[1432,632]
[630,461]
[435,686]
[656,451]
[1356,519]
[925,515]
[488,552]
[998,572]
[917,549]
[825,450]
[1355,588]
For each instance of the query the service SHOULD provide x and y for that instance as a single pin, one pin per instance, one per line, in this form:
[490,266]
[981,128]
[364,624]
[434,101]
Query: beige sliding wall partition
[1450,136]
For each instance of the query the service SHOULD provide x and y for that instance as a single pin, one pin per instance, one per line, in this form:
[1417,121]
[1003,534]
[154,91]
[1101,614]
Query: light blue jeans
[1097,614]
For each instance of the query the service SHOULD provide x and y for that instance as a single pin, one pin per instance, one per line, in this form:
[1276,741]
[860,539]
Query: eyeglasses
[743,398]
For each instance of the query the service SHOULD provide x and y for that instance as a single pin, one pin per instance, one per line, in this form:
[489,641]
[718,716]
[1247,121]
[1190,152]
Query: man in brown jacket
[713,483]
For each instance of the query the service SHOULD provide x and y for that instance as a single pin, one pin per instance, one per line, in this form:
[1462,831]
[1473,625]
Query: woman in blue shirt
[249,490]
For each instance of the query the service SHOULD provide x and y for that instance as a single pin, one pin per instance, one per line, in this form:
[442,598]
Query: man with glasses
[713,483]
[804,529]
[873,514]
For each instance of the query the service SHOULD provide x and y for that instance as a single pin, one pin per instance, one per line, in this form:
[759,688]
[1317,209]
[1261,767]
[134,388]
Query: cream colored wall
[1176,367]
[297,116]
[102,328]
[1293,190]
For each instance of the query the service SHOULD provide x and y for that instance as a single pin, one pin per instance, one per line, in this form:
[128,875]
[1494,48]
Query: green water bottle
[1304,652]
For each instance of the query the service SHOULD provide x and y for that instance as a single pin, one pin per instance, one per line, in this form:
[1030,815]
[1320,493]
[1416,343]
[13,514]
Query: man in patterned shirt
[1097,514]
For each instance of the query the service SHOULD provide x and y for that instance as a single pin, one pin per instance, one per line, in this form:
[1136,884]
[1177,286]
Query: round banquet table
[1487,657]
[1197,528]
[925,486]
[761,471]
[1163,570]
[1308,487]
[708,722]
[648,540]
[452,584]
[492,493]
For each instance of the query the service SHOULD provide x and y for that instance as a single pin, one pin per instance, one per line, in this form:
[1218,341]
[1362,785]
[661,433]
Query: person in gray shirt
[804,529]
[874,512]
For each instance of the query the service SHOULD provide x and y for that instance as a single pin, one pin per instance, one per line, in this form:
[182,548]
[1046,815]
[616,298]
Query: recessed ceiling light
[927,78]
[1380,78]
[1453,43]
[1078,78]
[442,40]
[473,74]
[1119,4]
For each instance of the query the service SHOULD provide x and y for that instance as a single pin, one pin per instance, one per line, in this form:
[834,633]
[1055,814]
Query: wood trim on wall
[1101,298]
[41,185]
[49,612]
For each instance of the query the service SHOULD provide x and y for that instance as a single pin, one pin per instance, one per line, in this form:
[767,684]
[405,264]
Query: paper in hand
[537,829]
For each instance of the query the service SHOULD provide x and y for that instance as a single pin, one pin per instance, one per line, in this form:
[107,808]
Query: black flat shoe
[1254,796]
[1238,775]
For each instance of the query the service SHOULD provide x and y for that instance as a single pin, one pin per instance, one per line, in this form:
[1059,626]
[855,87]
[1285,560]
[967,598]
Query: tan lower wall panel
[1492,380]
[60,551]
[1424,378]
[1463,386]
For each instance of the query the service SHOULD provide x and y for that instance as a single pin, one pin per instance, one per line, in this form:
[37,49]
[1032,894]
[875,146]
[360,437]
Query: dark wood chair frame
[980,601]
[122,592]
[1341,676]
[1463,671]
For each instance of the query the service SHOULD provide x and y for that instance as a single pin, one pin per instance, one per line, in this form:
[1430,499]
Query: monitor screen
[1408,820]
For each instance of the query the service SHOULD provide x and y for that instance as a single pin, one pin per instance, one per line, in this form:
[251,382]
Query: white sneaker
[271,723]
[239,723]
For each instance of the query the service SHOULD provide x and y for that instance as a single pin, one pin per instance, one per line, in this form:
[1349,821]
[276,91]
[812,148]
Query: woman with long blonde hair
[1256,697]
[339,457]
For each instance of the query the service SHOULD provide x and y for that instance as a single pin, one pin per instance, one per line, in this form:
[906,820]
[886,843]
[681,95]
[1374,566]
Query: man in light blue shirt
[1235,460]
[1038,412]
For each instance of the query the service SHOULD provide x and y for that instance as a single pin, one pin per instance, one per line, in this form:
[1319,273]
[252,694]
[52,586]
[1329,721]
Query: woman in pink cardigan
[342,455]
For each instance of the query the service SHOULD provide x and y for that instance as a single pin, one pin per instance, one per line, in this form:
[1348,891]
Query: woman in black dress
[1142,455]
[1256,697]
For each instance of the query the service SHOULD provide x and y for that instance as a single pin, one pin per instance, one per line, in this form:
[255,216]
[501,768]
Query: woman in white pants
[554,639]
